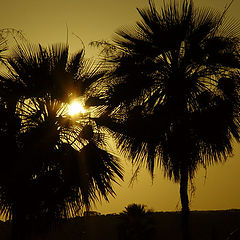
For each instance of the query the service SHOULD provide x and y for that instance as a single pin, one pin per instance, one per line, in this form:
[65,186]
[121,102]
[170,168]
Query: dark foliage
[52,165]
[173,90]
[136,223]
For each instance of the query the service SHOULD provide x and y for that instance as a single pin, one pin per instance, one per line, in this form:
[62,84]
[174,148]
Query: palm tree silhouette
[173,91]
[53,165]
[136,210]
[136,223]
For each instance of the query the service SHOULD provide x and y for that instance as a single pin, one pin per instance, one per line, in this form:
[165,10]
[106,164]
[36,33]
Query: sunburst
[76,107]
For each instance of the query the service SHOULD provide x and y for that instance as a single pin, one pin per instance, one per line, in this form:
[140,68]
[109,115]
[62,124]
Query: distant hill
[205,225]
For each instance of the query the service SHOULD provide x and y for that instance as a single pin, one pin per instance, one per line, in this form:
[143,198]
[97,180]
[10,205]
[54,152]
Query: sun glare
[75,108]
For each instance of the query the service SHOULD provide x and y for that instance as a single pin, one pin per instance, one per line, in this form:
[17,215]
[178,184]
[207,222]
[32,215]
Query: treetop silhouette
[173,90]
[53,165]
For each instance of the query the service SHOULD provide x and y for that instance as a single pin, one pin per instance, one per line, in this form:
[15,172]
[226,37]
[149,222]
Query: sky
[83,21]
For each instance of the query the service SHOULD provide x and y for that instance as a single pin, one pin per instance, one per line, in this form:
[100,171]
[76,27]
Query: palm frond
[169,64]
[57,165]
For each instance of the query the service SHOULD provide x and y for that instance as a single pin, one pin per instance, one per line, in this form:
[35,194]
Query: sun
[75,108]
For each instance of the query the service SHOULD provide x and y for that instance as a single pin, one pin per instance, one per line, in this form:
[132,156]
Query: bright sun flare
[75,108]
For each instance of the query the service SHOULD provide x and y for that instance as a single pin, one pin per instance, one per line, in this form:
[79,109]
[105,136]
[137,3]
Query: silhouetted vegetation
[5,34]
[168,91]
[173,95]
[136,223]
[207,225]
[53,165]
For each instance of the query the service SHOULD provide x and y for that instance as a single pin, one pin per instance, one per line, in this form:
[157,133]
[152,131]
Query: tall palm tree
[53,165]
[173,90]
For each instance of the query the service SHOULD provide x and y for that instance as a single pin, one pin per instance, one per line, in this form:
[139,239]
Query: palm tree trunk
[184,203]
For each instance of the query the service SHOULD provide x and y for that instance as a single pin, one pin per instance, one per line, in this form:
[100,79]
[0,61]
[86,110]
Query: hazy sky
[45,22]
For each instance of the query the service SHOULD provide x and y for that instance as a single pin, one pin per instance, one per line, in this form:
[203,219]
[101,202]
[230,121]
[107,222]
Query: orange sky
[45,21]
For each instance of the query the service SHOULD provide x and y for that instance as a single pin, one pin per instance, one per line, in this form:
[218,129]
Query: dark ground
[204,225]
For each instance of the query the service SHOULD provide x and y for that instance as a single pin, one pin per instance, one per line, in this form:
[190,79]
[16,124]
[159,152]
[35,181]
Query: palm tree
[53,165]
[136,223]
[136,210]
[173,91]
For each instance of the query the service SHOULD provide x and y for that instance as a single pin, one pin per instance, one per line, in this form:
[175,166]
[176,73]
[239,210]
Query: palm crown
[174,85]
[55,165]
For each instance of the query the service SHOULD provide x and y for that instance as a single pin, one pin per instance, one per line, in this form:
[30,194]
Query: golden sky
[45,22]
